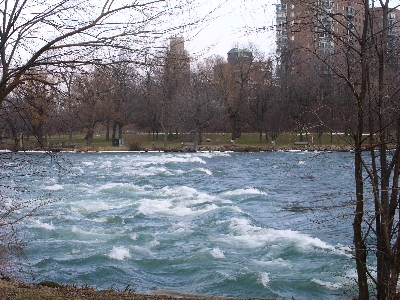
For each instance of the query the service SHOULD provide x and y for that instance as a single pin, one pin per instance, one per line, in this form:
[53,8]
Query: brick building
[320,26]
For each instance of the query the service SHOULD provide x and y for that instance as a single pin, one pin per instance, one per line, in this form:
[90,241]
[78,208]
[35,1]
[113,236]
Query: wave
[39,224]
[179,201]
[264,279]
[208,172]
[242,232]
[119,253]
[55,187]
[217,253]
[168,159]
[328,285]
[246,191]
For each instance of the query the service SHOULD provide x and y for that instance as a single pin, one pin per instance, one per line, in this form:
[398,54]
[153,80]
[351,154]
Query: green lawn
[144,141]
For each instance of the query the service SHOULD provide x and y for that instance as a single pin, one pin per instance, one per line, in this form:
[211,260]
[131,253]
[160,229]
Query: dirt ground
[14,290]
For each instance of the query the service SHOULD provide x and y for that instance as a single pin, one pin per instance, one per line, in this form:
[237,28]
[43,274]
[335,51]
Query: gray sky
[238,21]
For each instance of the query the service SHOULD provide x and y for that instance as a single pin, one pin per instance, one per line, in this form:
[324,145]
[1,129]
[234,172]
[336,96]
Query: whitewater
[219,223]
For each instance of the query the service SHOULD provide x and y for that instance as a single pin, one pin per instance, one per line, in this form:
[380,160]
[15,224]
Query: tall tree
[232,84]
[262,93]
[363,60]
[60,33]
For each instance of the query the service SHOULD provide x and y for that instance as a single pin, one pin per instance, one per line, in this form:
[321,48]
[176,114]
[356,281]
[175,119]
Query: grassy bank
[211,141]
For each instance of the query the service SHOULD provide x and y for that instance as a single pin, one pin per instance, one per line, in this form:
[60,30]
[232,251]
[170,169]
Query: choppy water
[227,224]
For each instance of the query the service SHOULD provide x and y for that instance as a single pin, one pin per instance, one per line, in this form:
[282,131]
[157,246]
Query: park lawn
[212,140]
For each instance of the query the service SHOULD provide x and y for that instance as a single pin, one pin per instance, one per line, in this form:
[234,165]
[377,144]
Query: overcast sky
[238,21]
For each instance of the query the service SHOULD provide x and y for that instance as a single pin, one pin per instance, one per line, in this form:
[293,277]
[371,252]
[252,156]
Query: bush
[135,143]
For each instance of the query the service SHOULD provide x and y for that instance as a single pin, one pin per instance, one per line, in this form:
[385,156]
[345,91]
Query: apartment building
[322,25]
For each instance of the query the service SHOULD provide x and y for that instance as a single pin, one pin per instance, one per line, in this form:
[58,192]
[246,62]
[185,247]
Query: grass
[215,140]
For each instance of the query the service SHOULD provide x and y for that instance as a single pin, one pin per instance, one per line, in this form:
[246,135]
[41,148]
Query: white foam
[39,224]
[217,253]
[264,279]
[168,158]
[90,206]
[211,154]
[246,191]
[87,163]
[181,227]
[133,236]
[179,201]
[244,233]
[154,243]
[119,253]
[109,185]
[89,235]
[208,172]
[279,262]
[55,187]
[327,284]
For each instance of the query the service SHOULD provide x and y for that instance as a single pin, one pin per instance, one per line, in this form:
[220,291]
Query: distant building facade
[237,55]
[320,25]
[177,65]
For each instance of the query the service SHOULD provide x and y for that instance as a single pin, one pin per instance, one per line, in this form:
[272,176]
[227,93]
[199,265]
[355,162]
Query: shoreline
[13,289]
[237,149]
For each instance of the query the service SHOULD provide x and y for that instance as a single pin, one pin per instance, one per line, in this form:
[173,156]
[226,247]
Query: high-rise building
[322,25]
[177,66]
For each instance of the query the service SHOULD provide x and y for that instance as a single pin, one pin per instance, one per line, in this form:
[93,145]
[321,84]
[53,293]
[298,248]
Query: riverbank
[249,142]
[323,148]
[15,290]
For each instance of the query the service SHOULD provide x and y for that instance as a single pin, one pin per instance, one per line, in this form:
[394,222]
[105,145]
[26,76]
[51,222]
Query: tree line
[254,95]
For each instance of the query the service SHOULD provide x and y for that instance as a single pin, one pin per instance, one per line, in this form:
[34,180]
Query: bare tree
[262,93]
[232,83]
[362,58]
[59,33]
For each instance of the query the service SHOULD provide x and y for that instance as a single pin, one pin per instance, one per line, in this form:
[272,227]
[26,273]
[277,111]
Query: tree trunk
[114,130]
[359,244]
[236,126]
[89,136]
[120,130]
[200,138]
[108,130]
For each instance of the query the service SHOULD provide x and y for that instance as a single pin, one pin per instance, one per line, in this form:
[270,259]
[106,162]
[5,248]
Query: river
[267,224]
